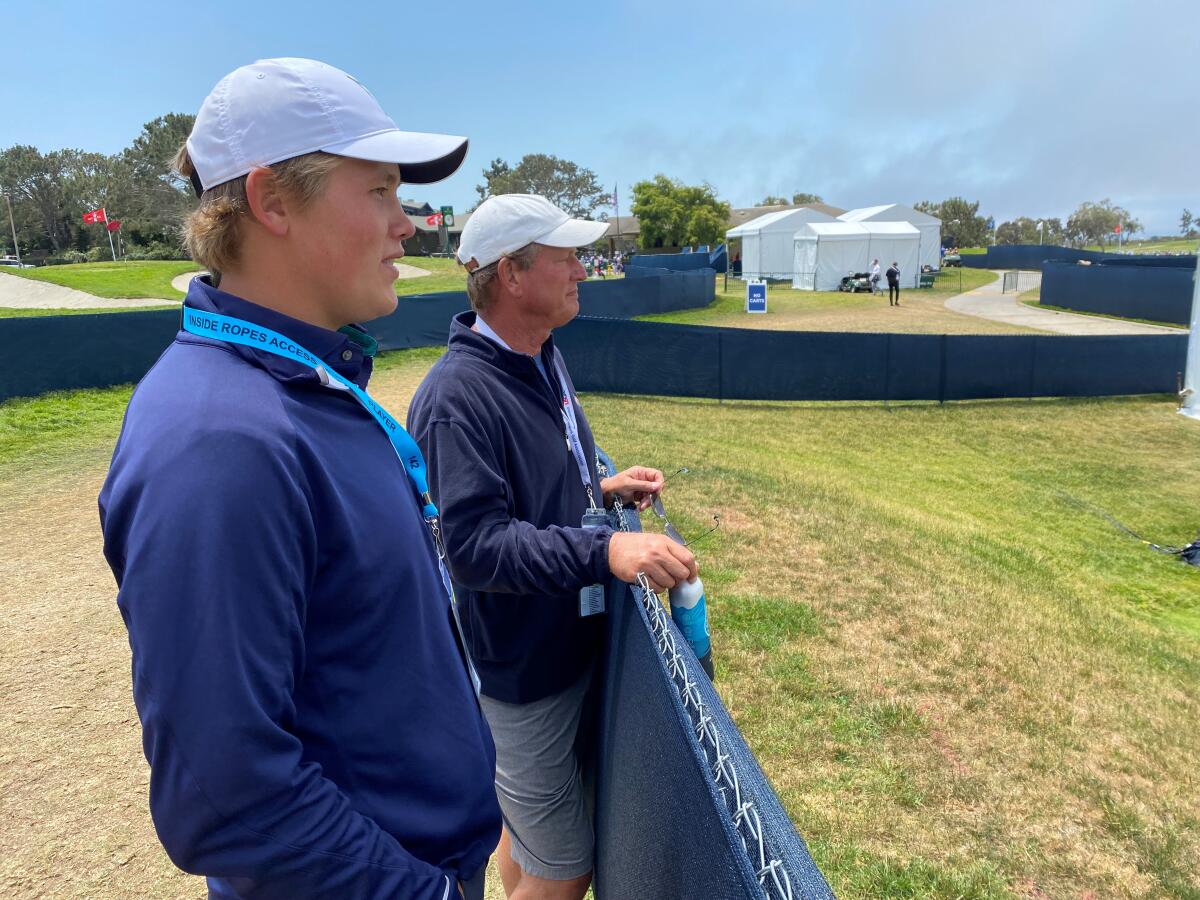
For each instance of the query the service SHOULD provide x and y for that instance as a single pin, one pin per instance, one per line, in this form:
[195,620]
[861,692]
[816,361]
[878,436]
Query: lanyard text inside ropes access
[236,331]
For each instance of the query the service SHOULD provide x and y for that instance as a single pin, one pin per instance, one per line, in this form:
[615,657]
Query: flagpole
[110,243]
[617,207]
[13,225]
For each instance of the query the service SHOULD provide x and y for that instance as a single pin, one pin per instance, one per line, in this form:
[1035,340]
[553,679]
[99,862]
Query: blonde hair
[212,232]
[480,280]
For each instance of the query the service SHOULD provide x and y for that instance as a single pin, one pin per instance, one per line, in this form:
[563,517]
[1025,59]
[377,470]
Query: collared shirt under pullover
[308,718]
[512,497]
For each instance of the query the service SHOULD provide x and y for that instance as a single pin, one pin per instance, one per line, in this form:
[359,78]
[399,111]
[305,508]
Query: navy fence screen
[1161,293]
[1031,256]
[716,260]
[119,348]
[730,363]
[664,827]
[607,352]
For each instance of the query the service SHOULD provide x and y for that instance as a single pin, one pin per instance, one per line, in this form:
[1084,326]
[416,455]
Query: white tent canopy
[767,241]
[825,252]
[929,226]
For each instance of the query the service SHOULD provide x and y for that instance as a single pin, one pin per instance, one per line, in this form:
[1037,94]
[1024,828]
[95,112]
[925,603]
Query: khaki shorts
[544,796]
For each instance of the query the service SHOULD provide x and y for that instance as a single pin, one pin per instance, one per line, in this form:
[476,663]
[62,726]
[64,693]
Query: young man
[874,275]
[513,462]
[893,280]
[307,712]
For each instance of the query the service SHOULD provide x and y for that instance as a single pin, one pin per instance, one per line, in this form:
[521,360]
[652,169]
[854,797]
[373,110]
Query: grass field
[145,280]
[1164,245]
[921,311]
[962,683]
[152,279]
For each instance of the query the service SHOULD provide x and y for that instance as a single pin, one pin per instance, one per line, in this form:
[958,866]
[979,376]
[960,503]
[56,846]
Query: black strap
[196,185]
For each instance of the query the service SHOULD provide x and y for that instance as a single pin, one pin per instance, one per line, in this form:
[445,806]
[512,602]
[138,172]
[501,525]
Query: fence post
[720,371]
[942,370]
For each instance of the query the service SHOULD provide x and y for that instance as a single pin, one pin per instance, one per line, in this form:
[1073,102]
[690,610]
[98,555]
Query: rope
[772,876]
[1088,507]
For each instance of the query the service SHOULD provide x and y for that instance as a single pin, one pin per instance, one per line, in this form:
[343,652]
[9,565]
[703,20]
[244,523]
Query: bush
[66,258]
[98,254]
[157,250]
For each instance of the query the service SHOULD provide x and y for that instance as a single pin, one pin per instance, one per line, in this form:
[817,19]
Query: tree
[1024,230]
[1185,223]
[154,200]
[802,199]
[1096,223]
[568,186]
[772,200]
[673,214]
[962,226]
[798,199]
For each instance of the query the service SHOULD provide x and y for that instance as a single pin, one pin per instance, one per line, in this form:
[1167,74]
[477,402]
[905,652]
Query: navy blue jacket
[310,725]
[512,499]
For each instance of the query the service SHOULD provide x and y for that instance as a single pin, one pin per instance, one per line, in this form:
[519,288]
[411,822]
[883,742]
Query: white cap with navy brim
[277,109]
[508,222]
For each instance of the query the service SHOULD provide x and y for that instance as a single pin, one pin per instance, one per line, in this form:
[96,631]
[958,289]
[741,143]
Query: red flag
[435,219]
[114,224]
[1117,230]
[96,215]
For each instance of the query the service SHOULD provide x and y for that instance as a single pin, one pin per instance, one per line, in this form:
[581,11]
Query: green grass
[1166,245]
[1035,303]
[922,310]
[961,682]
[137,280]
[7,312]
[447,275]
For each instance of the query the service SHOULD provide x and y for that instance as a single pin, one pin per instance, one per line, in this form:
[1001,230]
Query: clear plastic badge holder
[591,597]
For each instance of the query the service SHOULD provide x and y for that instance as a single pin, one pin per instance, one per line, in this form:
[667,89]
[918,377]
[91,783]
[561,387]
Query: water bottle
[690,614]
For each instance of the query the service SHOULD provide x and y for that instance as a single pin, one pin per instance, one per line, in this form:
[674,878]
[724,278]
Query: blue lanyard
[574,444]
[235,331]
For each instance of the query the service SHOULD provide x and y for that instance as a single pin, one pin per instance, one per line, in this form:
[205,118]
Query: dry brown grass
[952,681]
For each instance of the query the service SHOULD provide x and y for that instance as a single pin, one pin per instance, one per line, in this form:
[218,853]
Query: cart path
[987,302]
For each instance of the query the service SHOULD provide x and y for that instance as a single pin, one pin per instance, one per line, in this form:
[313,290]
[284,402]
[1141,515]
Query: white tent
[825,252]
[767,241]
[929,226]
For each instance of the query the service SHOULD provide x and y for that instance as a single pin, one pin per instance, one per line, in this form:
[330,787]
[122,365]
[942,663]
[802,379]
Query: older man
[512,458]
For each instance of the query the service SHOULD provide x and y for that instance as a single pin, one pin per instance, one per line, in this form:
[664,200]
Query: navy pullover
[512,498]
[310,725]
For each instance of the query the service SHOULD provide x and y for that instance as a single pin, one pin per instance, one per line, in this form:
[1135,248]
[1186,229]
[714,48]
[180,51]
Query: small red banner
[96,215]
[114,224]
[435,219]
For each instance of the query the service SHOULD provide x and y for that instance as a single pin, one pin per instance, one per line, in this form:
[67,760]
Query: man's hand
[637,485]
[664,562]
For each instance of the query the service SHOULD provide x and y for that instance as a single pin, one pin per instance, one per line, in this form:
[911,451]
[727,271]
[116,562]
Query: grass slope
[921,311]
[961,682]
[147,280]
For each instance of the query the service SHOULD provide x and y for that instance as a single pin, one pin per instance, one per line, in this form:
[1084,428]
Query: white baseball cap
[509,222]
[277,109]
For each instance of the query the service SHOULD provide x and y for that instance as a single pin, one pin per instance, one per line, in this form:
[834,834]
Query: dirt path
[987,302]
[25,293]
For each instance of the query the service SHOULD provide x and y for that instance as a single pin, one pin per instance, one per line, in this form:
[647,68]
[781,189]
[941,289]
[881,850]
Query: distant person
[308,715]
[893,280]
[874,276]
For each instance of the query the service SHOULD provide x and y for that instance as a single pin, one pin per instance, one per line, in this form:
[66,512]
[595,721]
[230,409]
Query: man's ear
[509,276]
[267,204]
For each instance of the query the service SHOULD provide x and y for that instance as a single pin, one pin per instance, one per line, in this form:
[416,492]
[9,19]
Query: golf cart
[855,282]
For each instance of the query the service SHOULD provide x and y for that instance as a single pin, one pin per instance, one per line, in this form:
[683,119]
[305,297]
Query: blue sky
[1028,107]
